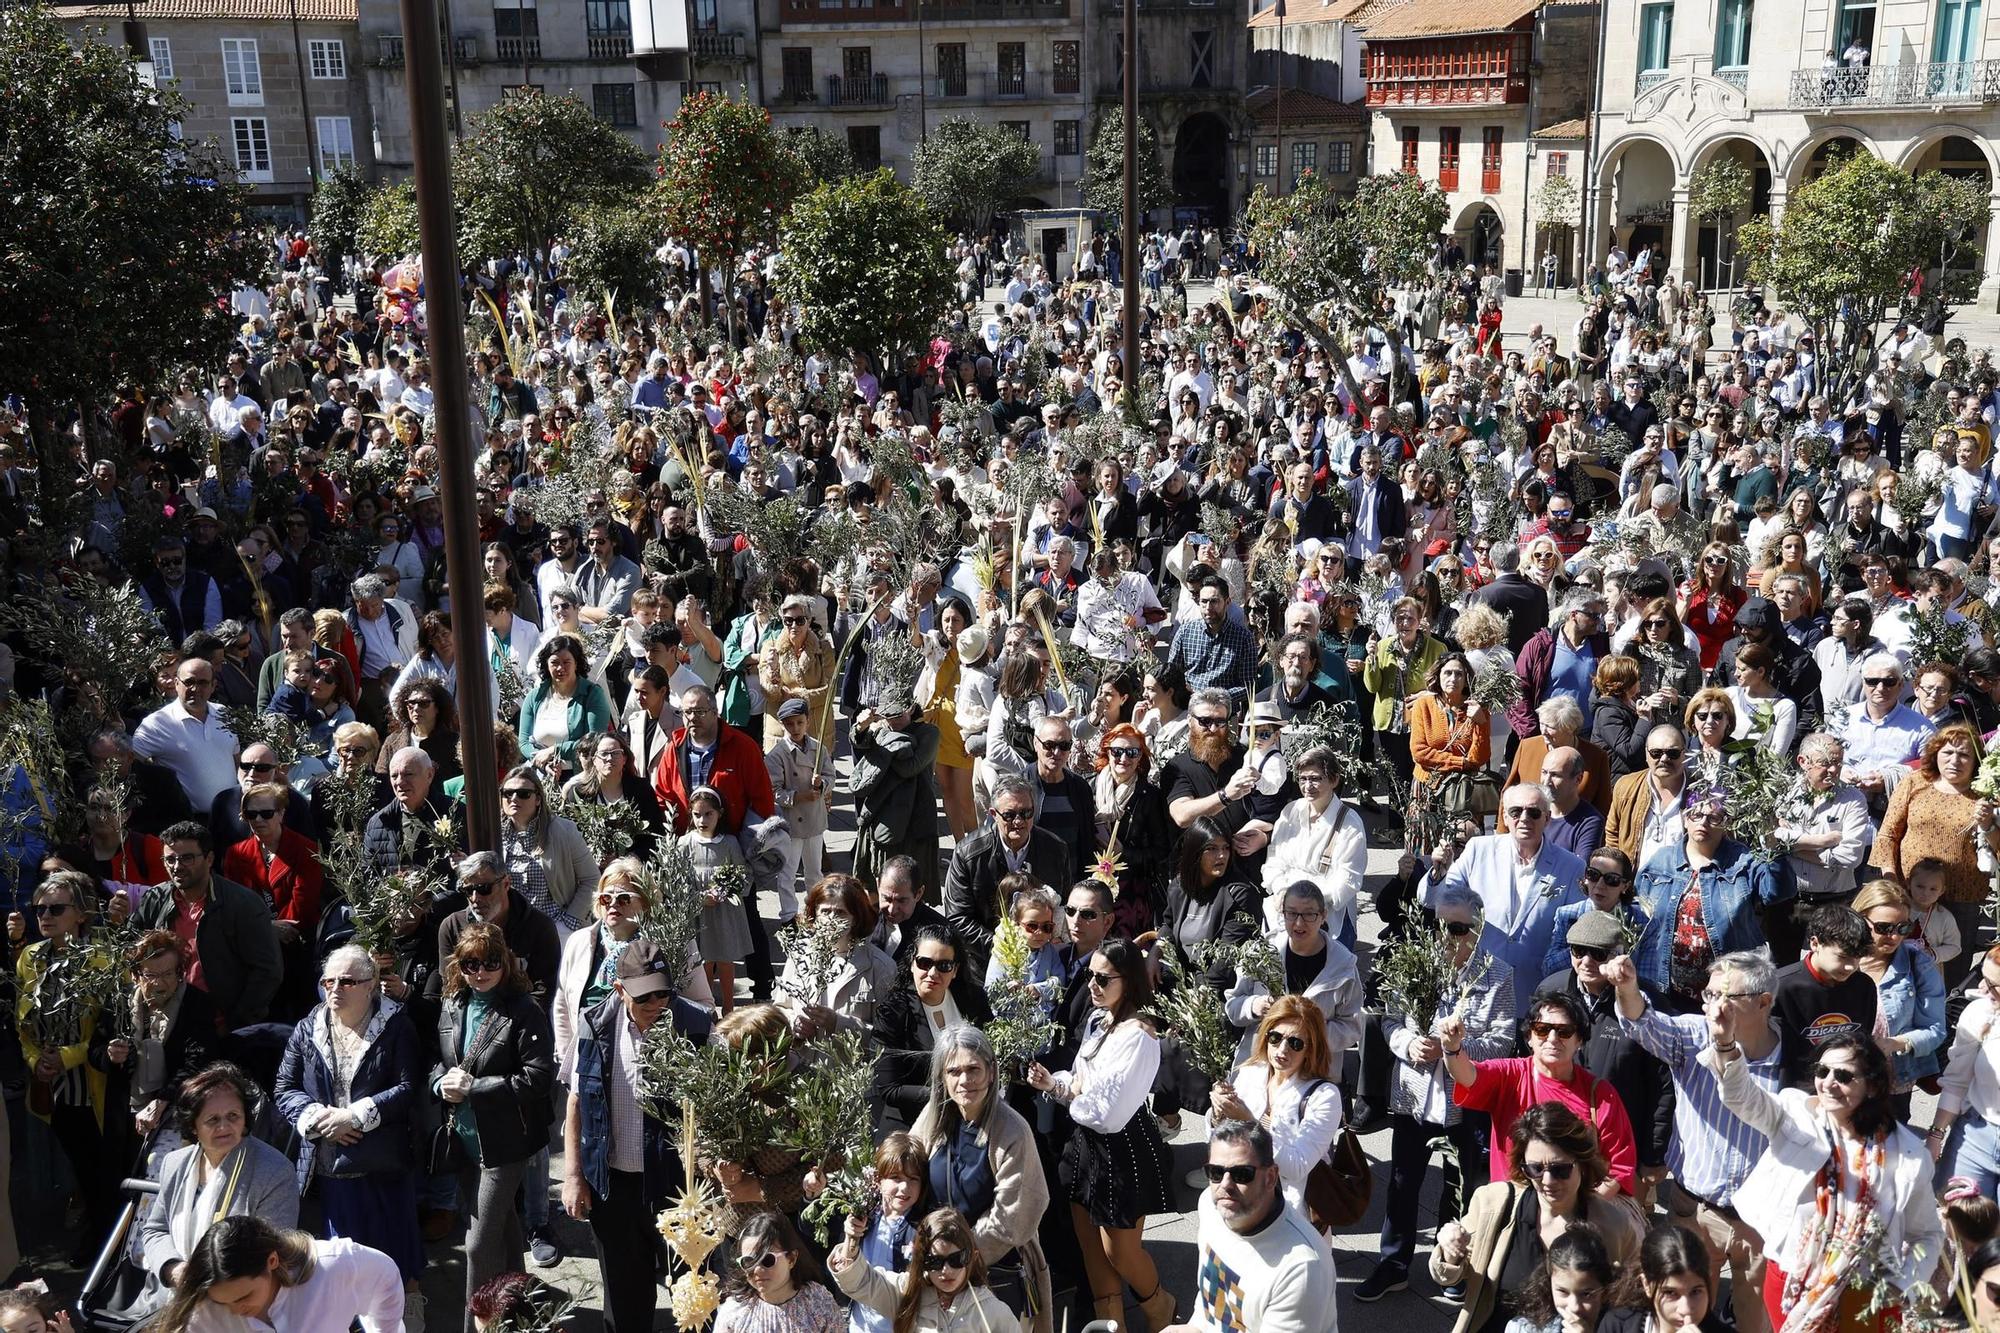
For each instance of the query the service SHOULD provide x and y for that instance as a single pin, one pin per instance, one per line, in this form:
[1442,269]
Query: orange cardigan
[1439,747]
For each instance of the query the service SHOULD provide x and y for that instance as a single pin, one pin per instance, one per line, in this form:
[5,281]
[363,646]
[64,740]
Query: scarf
[1840,1238]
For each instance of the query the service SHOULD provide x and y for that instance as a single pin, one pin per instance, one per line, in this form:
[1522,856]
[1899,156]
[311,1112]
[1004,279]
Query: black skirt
[1119,1178]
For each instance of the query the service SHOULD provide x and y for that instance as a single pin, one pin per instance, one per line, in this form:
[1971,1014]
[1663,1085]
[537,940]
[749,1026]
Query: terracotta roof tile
[276,11]
[1432,18]
[1565,129]
[1303,108]
[1303,12]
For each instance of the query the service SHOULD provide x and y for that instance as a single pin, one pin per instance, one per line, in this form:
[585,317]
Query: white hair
[415,754]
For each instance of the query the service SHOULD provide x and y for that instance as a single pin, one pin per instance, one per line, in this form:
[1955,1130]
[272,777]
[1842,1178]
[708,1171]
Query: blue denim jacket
[1912,992]
[1732,891]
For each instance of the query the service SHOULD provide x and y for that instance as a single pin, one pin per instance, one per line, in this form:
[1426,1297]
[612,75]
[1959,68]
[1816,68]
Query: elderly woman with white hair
[349,1083]
[1560,726]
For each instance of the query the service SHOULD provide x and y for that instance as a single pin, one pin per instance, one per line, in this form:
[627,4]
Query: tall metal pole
[1129,241]
[423,68]
[305,101]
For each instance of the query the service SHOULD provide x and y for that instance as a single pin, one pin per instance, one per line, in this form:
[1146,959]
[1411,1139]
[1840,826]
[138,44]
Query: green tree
[726,179]
[1844,254]
[825,155]
[1555,207]
[336,213]
[120,237]
[614,256]
[1333,260]
[865,267]
[532,168]
[966,169]
[388,222]
[1104,167]
[1718,194]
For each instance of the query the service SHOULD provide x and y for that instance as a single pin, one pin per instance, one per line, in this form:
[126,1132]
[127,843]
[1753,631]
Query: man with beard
[1209,780]
[682,559]
[1262,1265]
[1009,844]
[1213,650]
[1295,693]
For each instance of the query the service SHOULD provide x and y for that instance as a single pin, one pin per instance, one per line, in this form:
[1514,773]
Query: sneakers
[1385,1279]
[1455,1292]
[413,1311]
[543,1251]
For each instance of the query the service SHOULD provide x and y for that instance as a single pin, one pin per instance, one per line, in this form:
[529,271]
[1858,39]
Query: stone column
[1680,249]
[1989,286]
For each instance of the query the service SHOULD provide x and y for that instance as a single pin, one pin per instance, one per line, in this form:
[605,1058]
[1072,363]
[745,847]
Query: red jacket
[291,883]
[738,773]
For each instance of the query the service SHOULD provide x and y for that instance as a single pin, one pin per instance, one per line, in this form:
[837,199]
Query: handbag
[1340,1184]
[448,1154]
[1474,793]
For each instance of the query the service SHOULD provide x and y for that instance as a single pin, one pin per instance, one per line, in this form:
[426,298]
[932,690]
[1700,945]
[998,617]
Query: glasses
[1711,715]
[616,899]
[1209,722]
[1725,996]
[1839,1074]
[1286,1040]
[480,965]
[1548,1170]
[1593,952]
[1714,561]
[1303,917]
[793,620]
[1081,913]
[1235,1175]
[1664,752]
[1460,928]
[1526,812]
[344,983]
[1039,927]
[1879,682]
[517,793]
[1561,1031]
[1659,622]
[935,964]
[1057,747]
[1123,751]
[52,909]
[1013,816]
[937,1263]
[1891,929]
[750,1263]
[1592,875]
[262,813]
[479,888]
[1100,980]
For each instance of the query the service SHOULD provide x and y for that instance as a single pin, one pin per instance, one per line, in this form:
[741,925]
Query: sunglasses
[242,767]
[1659,622]
[1099,980]
[1081,913]
[1209,722]
[1593,875]
[517,793]
[751,1263]
[1056,747]
[1562,1031]
[616,899]
[1123,751]
[1593,952]
[480,965]
[938,1263]
[268,812]
[1235,1175]
[1039,927]
[52,909]
[1888,929]
[1667,752]
[1878,682]
[935,964]
[1548,1170]
[1844,1077]
[1527,812]
[1286,1040]
[482,887]
[793,620]
[1460,928]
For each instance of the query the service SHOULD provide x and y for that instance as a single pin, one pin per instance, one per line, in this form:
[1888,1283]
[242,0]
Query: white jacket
[1299,844]
[1336,989]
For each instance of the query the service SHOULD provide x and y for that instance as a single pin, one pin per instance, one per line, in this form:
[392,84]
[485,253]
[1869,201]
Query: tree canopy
[824,154]
[726,176]
[388,221]
[1104,167]
[532,168]
[337,206]
[121,239]
[865,266]
[966,170]
[614,256]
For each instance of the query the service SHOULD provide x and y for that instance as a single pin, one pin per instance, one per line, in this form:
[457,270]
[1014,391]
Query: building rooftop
[1442,18]
[1303,108]
[1577,128]
[275,11]
[1298,12]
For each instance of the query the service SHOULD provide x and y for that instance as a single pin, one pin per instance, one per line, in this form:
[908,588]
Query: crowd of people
[1670,673]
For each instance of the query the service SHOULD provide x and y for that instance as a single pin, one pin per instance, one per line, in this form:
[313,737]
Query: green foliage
[387,224]
[1104,167]
[966,169]
[614,252]
[532,168]
[726,176]
[865,266]
[120,237]
[824,155]
[336,213]
[1556,203]
[1720,190]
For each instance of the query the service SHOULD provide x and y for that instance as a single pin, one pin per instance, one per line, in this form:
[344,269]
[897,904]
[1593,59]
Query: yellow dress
[942,713]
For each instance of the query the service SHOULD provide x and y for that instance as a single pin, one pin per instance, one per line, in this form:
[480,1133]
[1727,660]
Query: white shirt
[1831,870]
[1113,1074]
[1972,1078]
[1663,826]
[1300,842]
[347,1282]
[201,752]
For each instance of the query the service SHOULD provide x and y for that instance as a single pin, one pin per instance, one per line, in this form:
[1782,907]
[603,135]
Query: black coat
[383,838]
[530,935]
[158,799]
[1617,727]
[1521,604]
[903,1037]
[512,1074]
[906,939]
[977,867]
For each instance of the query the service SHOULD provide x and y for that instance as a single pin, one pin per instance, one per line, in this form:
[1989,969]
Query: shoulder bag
[1340,1184]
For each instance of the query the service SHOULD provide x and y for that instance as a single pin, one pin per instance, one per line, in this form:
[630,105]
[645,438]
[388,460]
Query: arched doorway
[1638,182]
[1479,231]
[1717,261]
[1201,167]
[1959,156]
[1825,156]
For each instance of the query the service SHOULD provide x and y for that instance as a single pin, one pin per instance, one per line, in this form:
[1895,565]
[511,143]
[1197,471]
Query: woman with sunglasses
[494,1077]
[282,867]
[1710,719]
[1132,817]
[1115,1167]
[1608,887]
[546,855]
[1286,1084]
[774,1284]
[909,1018]
[1910,986]
[1555,1180]
[944,1290]
[1843,1196]
[349,1083]
[590,957]
[1711,601]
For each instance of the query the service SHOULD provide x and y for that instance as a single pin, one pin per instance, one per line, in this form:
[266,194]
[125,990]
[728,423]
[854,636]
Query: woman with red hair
[1135,837]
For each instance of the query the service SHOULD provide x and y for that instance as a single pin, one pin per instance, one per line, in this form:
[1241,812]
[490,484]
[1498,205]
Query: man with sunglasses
[1884,734]
[1009,844]
[1642,1082]
[490,897]
[620,1163]
[1713,1150]
[1064,804]
[1262,1265]
[1523,879]
[1645,813]
[1825,994]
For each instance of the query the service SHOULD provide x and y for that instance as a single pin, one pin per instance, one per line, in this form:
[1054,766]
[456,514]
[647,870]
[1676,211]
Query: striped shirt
[1712,1150]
